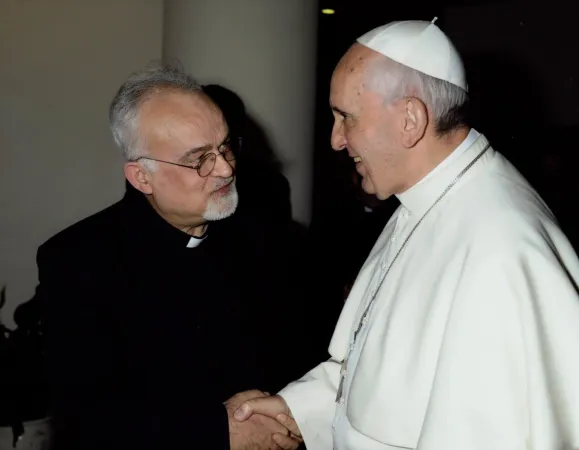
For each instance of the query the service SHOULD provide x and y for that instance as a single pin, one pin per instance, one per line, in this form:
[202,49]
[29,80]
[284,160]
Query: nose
[223,168]
[338,139]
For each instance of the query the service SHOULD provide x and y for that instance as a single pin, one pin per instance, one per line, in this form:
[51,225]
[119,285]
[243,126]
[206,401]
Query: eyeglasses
[205,164]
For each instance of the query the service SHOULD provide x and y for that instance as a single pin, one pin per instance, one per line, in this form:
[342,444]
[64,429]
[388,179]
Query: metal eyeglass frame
[210,156]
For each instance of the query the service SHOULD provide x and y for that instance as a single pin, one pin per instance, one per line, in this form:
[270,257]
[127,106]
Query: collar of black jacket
[143,222]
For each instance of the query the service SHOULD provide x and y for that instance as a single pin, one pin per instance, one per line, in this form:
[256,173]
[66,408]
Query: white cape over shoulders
[473,342]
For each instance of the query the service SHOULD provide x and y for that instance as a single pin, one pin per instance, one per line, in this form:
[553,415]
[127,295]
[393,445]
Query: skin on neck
[194,229]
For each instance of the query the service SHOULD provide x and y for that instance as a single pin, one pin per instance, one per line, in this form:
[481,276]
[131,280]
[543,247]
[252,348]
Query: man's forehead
[353,67]
[189,119]
[347,83]
[356,60]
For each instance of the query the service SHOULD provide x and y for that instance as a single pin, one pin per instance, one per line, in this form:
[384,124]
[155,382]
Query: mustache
[223,183]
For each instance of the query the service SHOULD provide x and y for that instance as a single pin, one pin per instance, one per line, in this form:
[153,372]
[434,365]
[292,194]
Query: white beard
[222,206]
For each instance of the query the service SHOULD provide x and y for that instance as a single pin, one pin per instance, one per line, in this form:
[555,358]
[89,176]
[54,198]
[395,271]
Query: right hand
[273,407]
[257,432]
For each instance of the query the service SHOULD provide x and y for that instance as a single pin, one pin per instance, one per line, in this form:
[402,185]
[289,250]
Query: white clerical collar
[420,197]
[195,241]
[456,153]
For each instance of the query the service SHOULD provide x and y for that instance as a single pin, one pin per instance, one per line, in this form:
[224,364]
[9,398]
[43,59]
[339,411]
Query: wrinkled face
[365,125]
[182,128]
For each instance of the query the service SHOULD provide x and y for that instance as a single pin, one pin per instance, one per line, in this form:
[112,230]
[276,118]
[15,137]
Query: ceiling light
[328,11]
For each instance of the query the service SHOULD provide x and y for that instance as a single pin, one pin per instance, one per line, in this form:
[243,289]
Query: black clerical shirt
[147,337]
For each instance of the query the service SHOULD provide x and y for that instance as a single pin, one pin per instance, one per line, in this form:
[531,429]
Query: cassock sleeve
[312,403]
[508,370]
[93,408]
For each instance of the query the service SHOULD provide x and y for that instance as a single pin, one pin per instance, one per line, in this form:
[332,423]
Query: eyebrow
[202,149]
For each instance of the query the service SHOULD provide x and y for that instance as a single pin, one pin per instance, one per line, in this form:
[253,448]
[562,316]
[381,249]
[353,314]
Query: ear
[415,121]
[139,177]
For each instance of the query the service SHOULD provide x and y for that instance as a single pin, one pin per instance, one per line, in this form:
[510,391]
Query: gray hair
[447,102]
[124,110]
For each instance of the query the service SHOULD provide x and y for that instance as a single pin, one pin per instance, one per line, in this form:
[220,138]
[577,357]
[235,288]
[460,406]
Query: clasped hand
[258,421]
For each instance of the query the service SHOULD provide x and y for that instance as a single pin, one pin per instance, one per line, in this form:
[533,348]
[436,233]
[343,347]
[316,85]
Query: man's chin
[368,186]
[223,206]
[383,196]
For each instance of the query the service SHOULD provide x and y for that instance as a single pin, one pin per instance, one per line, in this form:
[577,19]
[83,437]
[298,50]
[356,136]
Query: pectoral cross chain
[344,368]
[343,372]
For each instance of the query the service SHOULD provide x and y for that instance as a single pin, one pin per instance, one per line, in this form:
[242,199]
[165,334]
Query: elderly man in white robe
[461,331]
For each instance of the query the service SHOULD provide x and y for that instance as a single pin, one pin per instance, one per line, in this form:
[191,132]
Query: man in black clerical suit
[162,307]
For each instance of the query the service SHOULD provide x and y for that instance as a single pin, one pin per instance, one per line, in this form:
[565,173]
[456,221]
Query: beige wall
[60,64]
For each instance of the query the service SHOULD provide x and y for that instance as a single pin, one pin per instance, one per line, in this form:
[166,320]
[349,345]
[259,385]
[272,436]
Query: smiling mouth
[357,159]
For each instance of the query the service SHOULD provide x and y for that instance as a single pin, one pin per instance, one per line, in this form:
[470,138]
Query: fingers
[241,397]
[289,423]
[251,394]
[267,406]
[286,442]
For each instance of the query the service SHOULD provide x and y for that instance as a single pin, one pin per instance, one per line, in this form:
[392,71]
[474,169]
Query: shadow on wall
[264,193]
[512,107]
[263,189]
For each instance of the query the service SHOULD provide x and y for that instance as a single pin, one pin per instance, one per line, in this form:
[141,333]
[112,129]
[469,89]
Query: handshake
[258,421]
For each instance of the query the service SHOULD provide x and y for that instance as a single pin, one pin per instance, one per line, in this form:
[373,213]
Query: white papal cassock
[473,340]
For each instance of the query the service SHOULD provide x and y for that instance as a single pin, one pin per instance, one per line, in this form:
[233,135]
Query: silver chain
[440,197]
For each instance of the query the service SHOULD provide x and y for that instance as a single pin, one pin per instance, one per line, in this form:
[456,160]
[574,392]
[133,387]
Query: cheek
[195,190]
[376,151]
[363,141]
[183,187]
[356,137]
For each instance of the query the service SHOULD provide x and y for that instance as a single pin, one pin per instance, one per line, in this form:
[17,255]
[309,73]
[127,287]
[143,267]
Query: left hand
[261,427]
[276,408]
